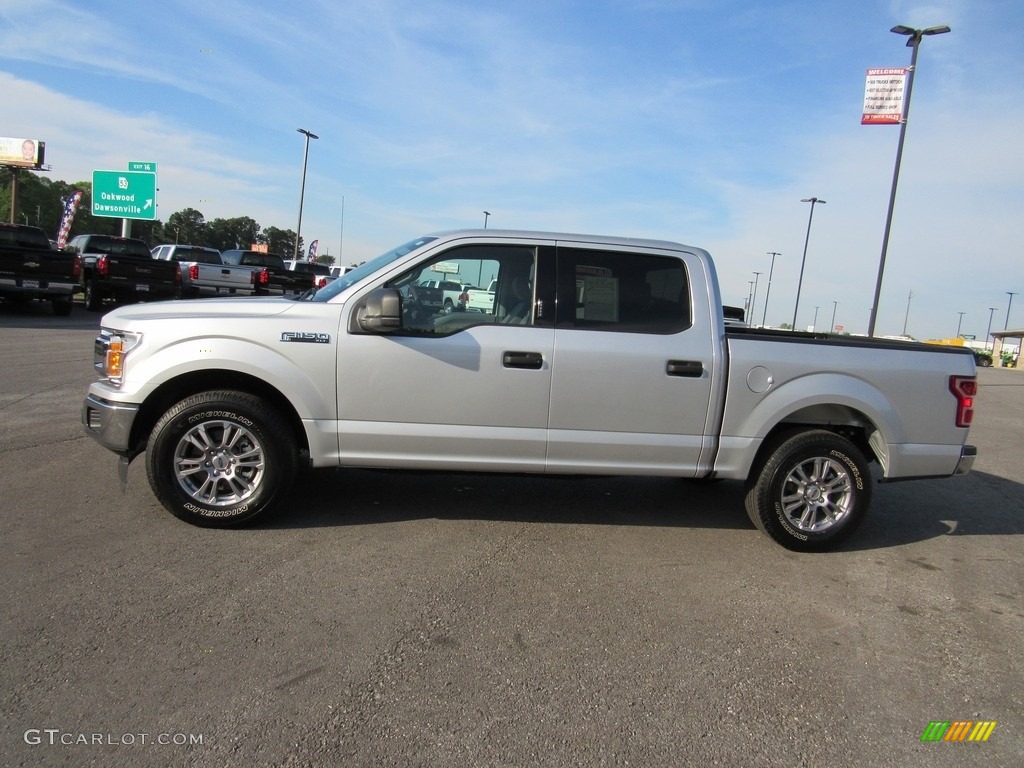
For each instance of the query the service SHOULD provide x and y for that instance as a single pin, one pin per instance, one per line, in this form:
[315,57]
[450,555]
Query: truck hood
[235,307]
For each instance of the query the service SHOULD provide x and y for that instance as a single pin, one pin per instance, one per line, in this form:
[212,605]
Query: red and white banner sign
[883,96]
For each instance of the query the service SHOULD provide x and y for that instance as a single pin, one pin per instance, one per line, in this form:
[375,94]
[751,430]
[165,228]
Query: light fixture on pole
[813,201]
[988,334]
[768,290]
[753,301]
[959,323]
[914,41]
[1008,305]
[814,322]
[302,189]
[486,216]
[832,328]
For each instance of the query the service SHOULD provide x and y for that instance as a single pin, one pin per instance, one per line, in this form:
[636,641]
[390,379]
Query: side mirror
[380,311]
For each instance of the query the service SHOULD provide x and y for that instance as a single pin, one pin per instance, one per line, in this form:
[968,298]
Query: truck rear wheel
[93,300]
[811,492]
[221,458]
[62,306]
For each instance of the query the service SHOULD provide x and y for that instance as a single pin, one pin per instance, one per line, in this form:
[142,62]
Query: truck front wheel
[811,492]
[219,459]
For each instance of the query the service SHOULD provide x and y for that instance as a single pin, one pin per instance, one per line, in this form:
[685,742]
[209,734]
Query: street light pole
[914,41]
[486,216]
[832,328]
[803,261]
[906,317]
[302,189]
[959,323]
[1008,305]
[768,290]
[988,334]
[753,301]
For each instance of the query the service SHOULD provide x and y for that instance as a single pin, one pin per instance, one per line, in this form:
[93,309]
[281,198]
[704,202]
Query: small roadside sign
[142,167]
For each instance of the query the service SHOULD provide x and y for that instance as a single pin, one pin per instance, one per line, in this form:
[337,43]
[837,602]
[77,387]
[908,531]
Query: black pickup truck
[121,269]
[31,268]
[272,276]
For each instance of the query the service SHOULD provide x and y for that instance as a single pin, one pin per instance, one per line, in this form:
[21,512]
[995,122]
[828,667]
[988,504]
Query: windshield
[352,277]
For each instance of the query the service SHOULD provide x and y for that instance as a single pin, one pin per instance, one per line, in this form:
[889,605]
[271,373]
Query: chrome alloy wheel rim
[817,494]
[219,463]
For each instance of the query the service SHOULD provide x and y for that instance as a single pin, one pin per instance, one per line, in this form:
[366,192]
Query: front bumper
[110,424]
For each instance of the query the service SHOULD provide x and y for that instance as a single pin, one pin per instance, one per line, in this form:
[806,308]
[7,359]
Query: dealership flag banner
[883,96]
[312,251]
[70,206]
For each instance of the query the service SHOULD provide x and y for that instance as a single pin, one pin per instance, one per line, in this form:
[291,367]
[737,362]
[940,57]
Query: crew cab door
[632,375]
[459,390]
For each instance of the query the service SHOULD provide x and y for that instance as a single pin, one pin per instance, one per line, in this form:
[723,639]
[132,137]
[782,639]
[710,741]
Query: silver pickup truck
[601,356]
[203,274]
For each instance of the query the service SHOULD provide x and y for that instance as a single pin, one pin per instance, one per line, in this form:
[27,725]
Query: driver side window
[468,286]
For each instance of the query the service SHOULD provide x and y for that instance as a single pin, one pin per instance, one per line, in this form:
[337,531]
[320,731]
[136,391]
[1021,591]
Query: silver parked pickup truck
[600,356]
[203,274]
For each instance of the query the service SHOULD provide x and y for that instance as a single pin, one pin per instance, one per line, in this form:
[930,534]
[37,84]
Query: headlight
[112,347]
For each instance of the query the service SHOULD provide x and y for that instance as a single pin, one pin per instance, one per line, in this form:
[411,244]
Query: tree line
[41,201]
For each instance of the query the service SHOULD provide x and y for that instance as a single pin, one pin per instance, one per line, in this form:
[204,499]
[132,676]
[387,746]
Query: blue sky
[700,121]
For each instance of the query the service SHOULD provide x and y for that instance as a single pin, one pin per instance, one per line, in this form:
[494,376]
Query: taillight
[77,266]
[262,277]
[102,266]
[464,297]
[319,282]
[964,389]
[193,272]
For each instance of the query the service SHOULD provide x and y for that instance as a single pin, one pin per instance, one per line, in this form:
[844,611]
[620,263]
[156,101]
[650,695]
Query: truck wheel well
[175,390]
[840,419]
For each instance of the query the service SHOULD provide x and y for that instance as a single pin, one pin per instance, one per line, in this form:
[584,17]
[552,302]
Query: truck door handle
[688,368]
[532,361]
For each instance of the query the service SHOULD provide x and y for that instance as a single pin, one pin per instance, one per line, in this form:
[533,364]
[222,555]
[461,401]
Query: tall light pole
[746,309]
[959,323]
[486,216]
[835,306]
[988,334]
[753,301]
[768,290]
[814,322]
[302,189]
[813,201]
[913,41]
[906,317]
[1008,305]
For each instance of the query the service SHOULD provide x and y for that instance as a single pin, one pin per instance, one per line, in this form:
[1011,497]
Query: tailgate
[224,278]
[38,269]
[142,275]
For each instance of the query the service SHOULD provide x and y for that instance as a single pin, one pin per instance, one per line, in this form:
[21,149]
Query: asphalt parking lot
[453,620]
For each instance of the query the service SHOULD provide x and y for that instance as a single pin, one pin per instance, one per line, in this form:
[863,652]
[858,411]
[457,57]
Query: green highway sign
[136,165]
[124,195]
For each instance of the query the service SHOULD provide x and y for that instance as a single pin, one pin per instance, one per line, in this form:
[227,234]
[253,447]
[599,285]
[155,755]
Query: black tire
[221,458]
[93,300]
[62,306]
[811,492]
[449,306]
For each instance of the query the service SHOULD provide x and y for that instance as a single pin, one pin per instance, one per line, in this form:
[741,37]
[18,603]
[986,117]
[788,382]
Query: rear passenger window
[620,291]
